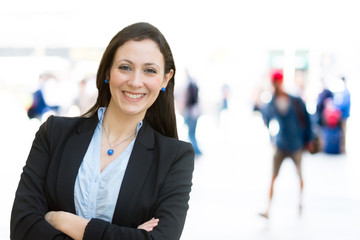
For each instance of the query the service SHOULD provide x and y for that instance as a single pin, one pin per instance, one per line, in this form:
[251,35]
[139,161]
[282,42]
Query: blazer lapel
[74,152]
[139,164]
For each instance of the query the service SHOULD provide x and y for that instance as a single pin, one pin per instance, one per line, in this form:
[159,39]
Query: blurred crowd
[328,119]
[54,96]
[296,123]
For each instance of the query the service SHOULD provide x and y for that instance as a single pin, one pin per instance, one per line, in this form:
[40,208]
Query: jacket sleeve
[30,204]
[309,131]
[171,205]
[267,113]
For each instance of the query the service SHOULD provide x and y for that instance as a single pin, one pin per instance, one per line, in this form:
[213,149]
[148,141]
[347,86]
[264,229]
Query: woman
[118,172]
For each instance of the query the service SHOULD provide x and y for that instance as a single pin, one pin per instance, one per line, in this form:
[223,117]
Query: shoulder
[150,138]
[171,144]
[62,123]
[270,106]
[65,121]
[296,98]
[298,101]
[58,125]
[167,148]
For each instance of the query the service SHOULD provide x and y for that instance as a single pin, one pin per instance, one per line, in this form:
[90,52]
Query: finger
[146,228]
[48,216]
[151,221]
[156,220]
[149,225]
[152,224]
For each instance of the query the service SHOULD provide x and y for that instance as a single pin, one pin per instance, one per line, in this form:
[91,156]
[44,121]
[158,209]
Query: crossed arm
[74,226]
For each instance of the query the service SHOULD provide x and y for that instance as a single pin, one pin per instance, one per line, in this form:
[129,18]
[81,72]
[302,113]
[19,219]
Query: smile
[133,96]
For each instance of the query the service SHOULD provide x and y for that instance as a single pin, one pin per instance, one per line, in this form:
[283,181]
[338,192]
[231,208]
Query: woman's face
[137,76]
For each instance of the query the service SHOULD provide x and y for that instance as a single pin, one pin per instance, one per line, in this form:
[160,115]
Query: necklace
[110,151]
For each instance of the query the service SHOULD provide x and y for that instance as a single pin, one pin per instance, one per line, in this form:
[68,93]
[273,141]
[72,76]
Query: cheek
[156,94]
[154,89]
[114,87]
[116,80]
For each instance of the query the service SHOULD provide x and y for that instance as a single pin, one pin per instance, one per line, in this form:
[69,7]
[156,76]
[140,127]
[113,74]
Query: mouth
[134,95]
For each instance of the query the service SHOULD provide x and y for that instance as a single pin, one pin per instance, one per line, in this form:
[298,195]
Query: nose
[135,79]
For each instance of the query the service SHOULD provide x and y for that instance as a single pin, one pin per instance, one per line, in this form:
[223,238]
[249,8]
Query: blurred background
[228,48]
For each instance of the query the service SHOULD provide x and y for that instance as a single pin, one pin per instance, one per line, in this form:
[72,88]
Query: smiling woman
[136,77]
[119,171]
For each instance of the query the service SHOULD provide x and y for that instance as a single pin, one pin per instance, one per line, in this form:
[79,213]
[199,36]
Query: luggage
[332,140]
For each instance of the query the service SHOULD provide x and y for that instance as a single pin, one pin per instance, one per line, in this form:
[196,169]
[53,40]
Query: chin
[133,112]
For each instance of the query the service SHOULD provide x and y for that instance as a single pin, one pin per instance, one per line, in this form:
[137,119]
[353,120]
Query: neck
[280,93]
[118,125]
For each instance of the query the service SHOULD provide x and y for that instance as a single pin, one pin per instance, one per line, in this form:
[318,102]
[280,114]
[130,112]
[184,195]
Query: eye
[150,70]
[125,67]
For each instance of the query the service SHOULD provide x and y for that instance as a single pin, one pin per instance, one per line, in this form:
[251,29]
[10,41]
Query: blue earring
[106,81]
[163,89]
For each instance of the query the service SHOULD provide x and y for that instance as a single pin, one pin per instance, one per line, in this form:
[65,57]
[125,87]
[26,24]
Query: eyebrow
[146,64]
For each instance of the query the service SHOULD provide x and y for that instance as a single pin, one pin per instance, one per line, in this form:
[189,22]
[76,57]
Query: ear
[167,78]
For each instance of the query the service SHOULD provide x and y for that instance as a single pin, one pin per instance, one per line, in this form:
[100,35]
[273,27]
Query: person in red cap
[294,131]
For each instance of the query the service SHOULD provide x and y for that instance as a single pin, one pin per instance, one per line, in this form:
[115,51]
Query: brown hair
[161,115]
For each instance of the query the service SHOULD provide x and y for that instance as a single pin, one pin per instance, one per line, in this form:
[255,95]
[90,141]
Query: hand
[149,225]
[54,218]
[311,147]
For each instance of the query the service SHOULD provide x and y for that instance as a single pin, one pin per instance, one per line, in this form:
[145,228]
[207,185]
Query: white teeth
[133,96]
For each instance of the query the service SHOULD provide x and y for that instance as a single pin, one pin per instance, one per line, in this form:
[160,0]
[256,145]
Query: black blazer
[157,183]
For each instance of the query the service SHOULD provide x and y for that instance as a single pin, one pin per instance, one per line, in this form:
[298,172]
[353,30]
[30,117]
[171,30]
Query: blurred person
[87,94]
[192,111]
[118,171]
[343,102]
[331,129]
[41,105]
[225,90]
[289,111]
[222,116]
[323,96]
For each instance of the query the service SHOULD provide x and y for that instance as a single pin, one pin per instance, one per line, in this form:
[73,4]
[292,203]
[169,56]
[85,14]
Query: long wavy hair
[161,115]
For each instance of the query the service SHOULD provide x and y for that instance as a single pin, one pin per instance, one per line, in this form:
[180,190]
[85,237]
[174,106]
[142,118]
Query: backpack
[332,114]
[309,135]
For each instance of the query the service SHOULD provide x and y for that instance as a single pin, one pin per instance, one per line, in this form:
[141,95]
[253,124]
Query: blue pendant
[110,152]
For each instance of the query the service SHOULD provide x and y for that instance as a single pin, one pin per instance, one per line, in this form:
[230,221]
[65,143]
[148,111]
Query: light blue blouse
[96,192]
